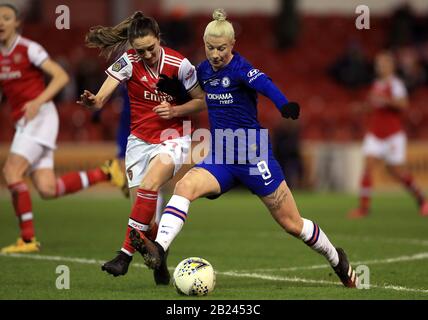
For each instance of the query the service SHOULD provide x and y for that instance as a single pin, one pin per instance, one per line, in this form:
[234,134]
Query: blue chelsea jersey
[231,96]
[232,104]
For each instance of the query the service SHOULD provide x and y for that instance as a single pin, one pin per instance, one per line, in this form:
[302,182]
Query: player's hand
[171,86]
[378,101]
[31,108]
[291,110]
[164,110]
[88,100]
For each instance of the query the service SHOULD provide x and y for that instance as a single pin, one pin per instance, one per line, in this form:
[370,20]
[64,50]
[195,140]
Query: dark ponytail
[115,40]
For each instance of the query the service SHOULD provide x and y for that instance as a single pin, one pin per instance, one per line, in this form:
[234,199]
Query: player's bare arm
[197,104]
[59,78]
[96,102]
[399,103]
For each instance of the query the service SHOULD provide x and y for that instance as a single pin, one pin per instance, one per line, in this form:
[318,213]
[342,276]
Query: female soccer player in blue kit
[231,85]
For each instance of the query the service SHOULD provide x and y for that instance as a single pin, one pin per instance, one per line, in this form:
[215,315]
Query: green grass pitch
[253,257]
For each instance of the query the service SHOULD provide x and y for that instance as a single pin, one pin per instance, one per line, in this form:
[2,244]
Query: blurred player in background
[23,66]
[232,84]
[385,140]
[124,128]
[151,73]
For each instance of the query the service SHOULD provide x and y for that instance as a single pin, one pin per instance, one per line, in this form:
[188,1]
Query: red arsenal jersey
[143,95]
[385,120]
[21,80]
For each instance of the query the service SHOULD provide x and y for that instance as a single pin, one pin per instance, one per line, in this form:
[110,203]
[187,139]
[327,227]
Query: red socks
[76,181]
[408,182]
[142,213]
[366,192]
[22,203]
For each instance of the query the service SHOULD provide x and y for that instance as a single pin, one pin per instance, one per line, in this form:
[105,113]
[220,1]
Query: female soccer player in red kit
[385,141]
[151,159]
[23,65]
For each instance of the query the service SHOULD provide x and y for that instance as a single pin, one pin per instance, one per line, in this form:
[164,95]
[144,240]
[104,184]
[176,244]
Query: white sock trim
[307,230]
[126,252]
[26,216]
[60,187]
[179,202]
[84,179]
[136,225]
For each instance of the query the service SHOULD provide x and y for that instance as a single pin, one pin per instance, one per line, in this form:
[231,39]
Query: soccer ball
[194,277]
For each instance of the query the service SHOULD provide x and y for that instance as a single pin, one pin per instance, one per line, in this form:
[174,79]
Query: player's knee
[185,188]
[46,191]
[12,173]
[394,171]
[370,165]
[151,184]
[4,172]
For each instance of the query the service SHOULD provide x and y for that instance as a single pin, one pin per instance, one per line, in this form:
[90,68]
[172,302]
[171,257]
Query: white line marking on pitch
[304,280]
[418,242]
[58,258]
[226,273]
[418,256]
[409,241]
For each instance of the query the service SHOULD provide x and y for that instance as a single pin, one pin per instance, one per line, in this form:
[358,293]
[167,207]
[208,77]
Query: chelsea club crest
[225,82]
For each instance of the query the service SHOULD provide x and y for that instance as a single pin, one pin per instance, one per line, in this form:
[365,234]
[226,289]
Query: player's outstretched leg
[116,175]
[344,270]
[50,187]
[407,180]
[119,265]
[283,208]
[423,210]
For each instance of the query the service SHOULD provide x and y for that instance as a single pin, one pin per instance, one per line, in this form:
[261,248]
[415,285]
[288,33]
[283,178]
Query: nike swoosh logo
[166,227]
[268,183]
[210,79]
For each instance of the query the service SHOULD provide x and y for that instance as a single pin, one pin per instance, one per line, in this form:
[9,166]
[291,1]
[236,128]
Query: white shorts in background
[391,149]
[139,153]
[36,140]
[43,128]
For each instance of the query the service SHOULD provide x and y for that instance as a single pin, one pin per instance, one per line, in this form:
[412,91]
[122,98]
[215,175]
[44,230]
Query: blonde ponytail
[220,26]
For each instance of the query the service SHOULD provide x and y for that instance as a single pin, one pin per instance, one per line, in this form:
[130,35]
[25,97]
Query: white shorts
[36,140]
[392,149]
[139,153]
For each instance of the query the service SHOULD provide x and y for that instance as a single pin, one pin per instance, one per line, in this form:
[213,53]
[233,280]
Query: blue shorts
[261,179]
